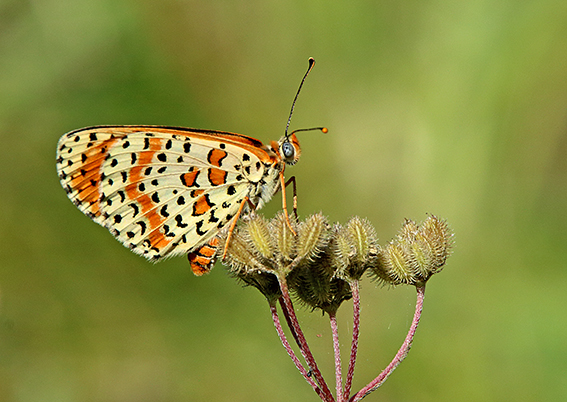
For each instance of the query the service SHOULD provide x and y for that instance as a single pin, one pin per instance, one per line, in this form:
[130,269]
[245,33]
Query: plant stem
[337,352]
[402,353]
[290,351]
[288,320]
[300,339]
[354,287]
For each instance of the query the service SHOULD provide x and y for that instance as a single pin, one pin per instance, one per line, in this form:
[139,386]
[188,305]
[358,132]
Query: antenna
[311,64]
[324,130]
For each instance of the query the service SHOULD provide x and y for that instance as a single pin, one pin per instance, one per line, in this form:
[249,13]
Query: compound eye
[288,150]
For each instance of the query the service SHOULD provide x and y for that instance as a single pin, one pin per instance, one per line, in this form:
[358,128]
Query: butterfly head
[289,149]
[288,146]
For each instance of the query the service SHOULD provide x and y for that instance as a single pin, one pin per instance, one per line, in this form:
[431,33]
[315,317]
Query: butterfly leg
[284,202]
[203,259]
[245,201]
[287,183]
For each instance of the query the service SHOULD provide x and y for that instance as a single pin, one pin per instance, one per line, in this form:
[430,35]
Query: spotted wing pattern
[164,191]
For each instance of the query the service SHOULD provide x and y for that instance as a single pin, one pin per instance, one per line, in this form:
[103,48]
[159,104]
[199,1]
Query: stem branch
[290,351]
[402,353]
[288,309]
[354,287]
[337,352]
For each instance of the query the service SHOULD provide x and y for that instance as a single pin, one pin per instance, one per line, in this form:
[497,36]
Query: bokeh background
[453,108]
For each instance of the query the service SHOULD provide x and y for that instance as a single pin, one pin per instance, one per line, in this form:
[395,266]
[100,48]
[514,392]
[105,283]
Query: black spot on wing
[198,228]
[179,220]
[167,232]
[213,218]
[135,208]
[142,226]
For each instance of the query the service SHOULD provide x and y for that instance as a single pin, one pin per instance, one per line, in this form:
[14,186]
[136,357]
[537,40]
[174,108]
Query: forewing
[160,191]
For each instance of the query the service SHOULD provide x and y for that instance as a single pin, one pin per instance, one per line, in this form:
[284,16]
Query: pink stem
[301,341]
[402,353]
[288,320]
[290,351]
[337,351]
[354,286]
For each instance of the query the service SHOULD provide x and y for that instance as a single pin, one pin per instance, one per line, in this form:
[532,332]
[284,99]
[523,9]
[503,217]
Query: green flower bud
[416,253]
[284,237]
[313,237]
[355,248]
[260,237]
[240,257]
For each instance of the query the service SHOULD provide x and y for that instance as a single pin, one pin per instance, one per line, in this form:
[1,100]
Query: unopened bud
[313,237]
[259,237]
[355,248]
[416,253]
[284,237]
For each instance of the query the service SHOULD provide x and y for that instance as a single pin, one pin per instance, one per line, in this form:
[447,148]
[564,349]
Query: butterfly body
[165,191]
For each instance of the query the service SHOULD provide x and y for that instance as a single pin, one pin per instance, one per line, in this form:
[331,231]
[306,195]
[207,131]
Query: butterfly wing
[163,191]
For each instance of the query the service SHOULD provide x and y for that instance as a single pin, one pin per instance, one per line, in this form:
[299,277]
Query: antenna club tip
[325,130]
[311,61]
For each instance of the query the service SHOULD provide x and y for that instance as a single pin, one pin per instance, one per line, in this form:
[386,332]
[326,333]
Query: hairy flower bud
[416,253]
[284,237]
[355,248]
[260,238]
[240,256]
[313,237]
[312,277]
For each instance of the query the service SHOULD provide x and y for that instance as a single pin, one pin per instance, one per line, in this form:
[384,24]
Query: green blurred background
[452,108]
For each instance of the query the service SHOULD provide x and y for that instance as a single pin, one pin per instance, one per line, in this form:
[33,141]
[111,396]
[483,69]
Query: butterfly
[165,191]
